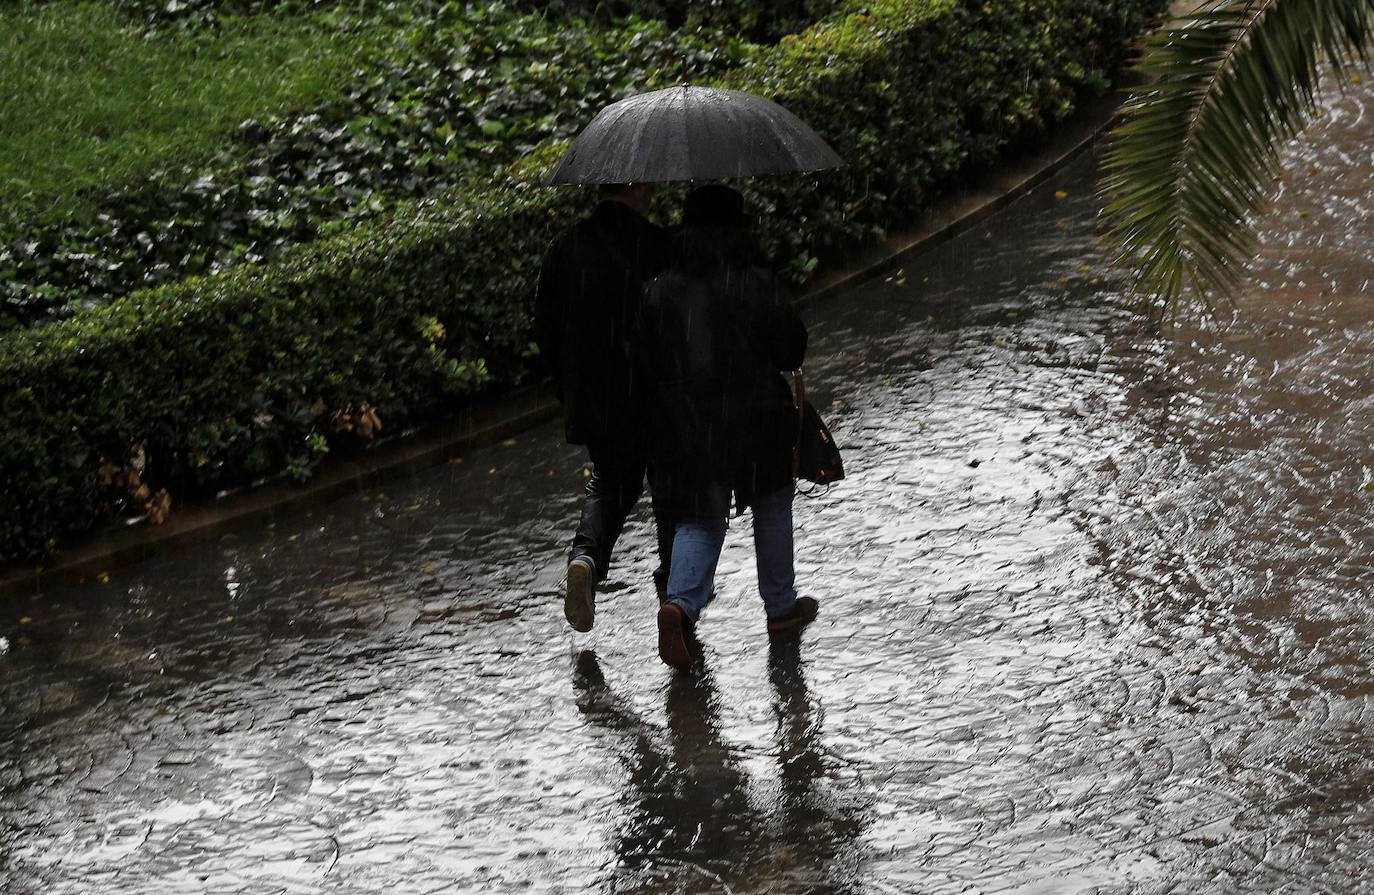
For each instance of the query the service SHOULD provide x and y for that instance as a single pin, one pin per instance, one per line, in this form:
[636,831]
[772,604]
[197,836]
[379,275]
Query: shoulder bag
[815,457]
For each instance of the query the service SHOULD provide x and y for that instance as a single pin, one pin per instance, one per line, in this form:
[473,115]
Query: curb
[499,417]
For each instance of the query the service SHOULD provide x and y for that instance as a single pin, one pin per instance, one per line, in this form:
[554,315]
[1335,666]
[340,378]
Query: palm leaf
[1192,159]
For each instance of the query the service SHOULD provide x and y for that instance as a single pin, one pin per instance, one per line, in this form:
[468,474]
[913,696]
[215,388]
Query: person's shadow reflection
[693,819]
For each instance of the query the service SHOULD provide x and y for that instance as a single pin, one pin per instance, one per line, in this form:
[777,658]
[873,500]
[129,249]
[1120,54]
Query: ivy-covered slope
[213,382]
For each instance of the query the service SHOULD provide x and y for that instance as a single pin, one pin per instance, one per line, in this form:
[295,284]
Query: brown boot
[579,599]
[672,640]
[791,624]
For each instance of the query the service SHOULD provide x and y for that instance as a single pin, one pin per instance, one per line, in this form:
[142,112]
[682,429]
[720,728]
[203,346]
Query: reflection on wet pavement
[1094,619]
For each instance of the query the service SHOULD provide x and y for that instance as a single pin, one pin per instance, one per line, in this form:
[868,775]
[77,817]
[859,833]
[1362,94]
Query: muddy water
[1096,617]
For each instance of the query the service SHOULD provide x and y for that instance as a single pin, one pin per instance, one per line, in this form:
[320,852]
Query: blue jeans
[696,550]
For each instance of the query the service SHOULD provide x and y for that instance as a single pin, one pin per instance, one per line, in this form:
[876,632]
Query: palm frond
[1198,146]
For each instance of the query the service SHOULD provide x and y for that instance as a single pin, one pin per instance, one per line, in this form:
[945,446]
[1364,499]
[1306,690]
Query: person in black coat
[589,293]
[716,333]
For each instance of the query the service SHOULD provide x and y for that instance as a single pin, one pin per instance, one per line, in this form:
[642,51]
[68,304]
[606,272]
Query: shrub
[913,95]
[212,382]
[765,22]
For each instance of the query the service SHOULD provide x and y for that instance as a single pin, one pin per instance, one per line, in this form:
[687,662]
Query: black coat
[590,288]
[715,334]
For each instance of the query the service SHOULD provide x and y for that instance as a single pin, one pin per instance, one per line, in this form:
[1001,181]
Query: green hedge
[214,382]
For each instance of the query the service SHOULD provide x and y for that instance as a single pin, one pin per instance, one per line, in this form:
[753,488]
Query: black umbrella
[692,133]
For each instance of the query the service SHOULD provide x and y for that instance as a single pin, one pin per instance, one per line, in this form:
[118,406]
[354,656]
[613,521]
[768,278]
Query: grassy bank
[92,104]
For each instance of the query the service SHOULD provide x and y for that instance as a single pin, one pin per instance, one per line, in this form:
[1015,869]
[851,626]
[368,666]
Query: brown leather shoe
[672,640]
[791,624]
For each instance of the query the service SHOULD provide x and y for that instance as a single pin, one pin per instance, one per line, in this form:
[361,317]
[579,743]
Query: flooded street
[1095,618]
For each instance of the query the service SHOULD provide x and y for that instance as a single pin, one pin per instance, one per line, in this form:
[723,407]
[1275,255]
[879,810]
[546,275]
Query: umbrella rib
[688,156]
[741,131]
[641,170]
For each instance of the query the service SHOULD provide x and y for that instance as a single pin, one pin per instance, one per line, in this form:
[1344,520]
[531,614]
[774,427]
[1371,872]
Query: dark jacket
[590,287]
[715,333]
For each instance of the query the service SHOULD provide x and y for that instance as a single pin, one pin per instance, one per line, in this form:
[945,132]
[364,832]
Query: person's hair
[614,189]
[715,231]
[714,205]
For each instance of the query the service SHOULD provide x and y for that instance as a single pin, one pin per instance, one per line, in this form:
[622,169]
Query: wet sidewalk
[1095,618]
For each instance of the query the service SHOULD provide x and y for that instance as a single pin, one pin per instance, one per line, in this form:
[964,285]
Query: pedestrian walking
[674,134]
[590,288]
[716,333]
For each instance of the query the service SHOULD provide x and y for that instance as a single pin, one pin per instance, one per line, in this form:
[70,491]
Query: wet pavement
[1095,618]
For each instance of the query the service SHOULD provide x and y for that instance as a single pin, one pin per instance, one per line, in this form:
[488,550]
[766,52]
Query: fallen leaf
[1060,194]
[159,506]
[24,619]
[103,577]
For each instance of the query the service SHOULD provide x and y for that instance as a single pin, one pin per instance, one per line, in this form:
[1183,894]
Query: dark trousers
[616,484]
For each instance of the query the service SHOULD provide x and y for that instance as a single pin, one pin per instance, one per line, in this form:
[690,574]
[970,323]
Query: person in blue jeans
[714,336]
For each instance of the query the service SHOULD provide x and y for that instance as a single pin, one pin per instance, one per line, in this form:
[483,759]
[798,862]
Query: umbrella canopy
[692,133]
